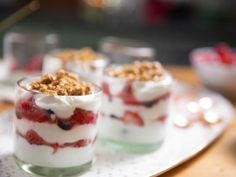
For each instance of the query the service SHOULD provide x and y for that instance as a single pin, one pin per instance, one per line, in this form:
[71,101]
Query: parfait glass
[54,135]
[134,113]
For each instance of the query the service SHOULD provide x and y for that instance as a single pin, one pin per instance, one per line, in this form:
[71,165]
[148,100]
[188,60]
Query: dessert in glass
[85,62]
[56,124]
[135,106]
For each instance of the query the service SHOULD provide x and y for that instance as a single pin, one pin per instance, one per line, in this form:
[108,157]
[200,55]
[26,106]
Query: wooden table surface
[218,160]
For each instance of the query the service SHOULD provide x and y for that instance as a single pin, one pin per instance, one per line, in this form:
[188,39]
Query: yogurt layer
[64,106]
[44,156]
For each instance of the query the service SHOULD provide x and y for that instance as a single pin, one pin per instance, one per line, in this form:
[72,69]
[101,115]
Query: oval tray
[180,145]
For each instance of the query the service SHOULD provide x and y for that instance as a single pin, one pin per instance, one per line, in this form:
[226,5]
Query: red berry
[162,118]
[82,143]
[127,96]
[105,88]
[29,110]
[35,64]
[81,116]
[132,118]
[33,138]
[225,53]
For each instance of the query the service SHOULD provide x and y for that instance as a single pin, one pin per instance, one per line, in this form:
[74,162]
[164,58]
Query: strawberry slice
[106,89]
[81,116]
[132,118]
[162,118]
[33,138]
[82,143]
[127,96]
[27,108]
[225,53]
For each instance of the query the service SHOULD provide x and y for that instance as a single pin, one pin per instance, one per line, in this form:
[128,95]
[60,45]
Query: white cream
[64,106]
[117,130]
[147,91]
[51,133]
[116,85]
[43,155]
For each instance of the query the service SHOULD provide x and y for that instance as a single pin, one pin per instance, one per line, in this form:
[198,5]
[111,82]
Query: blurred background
[171,27]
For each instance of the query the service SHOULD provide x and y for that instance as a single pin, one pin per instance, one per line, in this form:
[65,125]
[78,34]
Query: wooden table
[218,160]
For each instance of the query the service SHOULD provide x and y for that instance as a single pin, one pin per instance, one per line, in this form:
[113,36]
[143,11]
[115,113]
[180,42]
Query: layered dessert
[56,123]
[135,105]
[85,62]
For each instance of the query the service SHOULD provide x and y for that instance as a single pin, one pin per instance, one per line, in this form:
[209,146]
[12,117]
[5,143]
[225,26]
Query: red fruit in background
[35,63]
[132,118]
[81,116]
[225,53]
[27,109]
[33,138]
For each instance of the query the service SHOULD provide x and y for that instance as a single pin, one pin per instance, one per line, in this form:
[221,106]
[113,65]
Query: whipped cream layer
[54,134]
[44,155]
[64,106]
[142,90]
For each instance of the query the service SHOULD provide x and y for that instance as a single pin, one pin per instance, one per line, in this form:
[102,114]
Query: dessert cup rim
[98,89]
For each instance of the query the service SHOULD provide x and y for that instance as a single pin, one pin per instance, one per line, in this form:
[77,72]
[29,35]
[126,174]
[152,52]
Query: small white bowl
[214,74]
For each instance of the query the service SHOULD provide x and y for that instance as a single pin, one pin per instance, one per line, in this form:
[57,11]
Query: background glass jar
[90,71]
[134,113]
[55,135]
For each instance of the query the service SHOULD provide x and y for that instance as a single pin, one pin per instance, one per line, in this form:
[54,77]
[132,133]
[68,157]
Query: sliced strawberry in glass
[81,116]
[106,89]
[33,138]
[132,118]
[26,108]
[127,95]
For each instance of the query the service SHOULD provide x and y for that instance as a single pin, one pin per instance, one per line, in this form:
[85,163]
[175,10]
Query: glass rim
[98,90]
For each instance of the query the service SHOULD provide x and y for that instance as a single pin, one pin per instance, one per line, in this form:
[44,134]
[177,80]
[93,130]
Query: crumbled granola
[138,71]
[62,83]
[84,54]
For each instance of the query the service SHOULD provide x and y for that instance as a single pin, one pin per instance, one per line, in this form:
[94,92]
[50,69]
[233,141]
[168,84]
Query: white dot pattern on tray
[180,144]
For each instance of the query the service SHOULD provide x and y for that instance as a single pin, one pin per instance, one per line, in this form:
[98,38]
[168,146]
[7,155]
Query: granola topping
[84,54]
[139,71]
[62,83]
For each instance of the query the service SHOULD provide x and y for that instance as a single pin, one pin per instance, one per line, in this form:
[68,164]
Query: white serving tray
[180,145]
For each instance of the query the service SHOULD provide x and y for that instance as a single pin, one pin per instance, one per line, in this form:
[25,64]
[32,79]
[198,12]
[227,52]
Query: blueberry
[114,116]
[18,115]
[49,111]
[148,104]
[65,124]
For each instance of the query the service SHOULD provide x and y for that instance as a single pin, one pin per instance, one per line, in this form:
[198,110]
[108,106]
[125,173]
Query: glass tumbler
[54,135]
[134,113]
